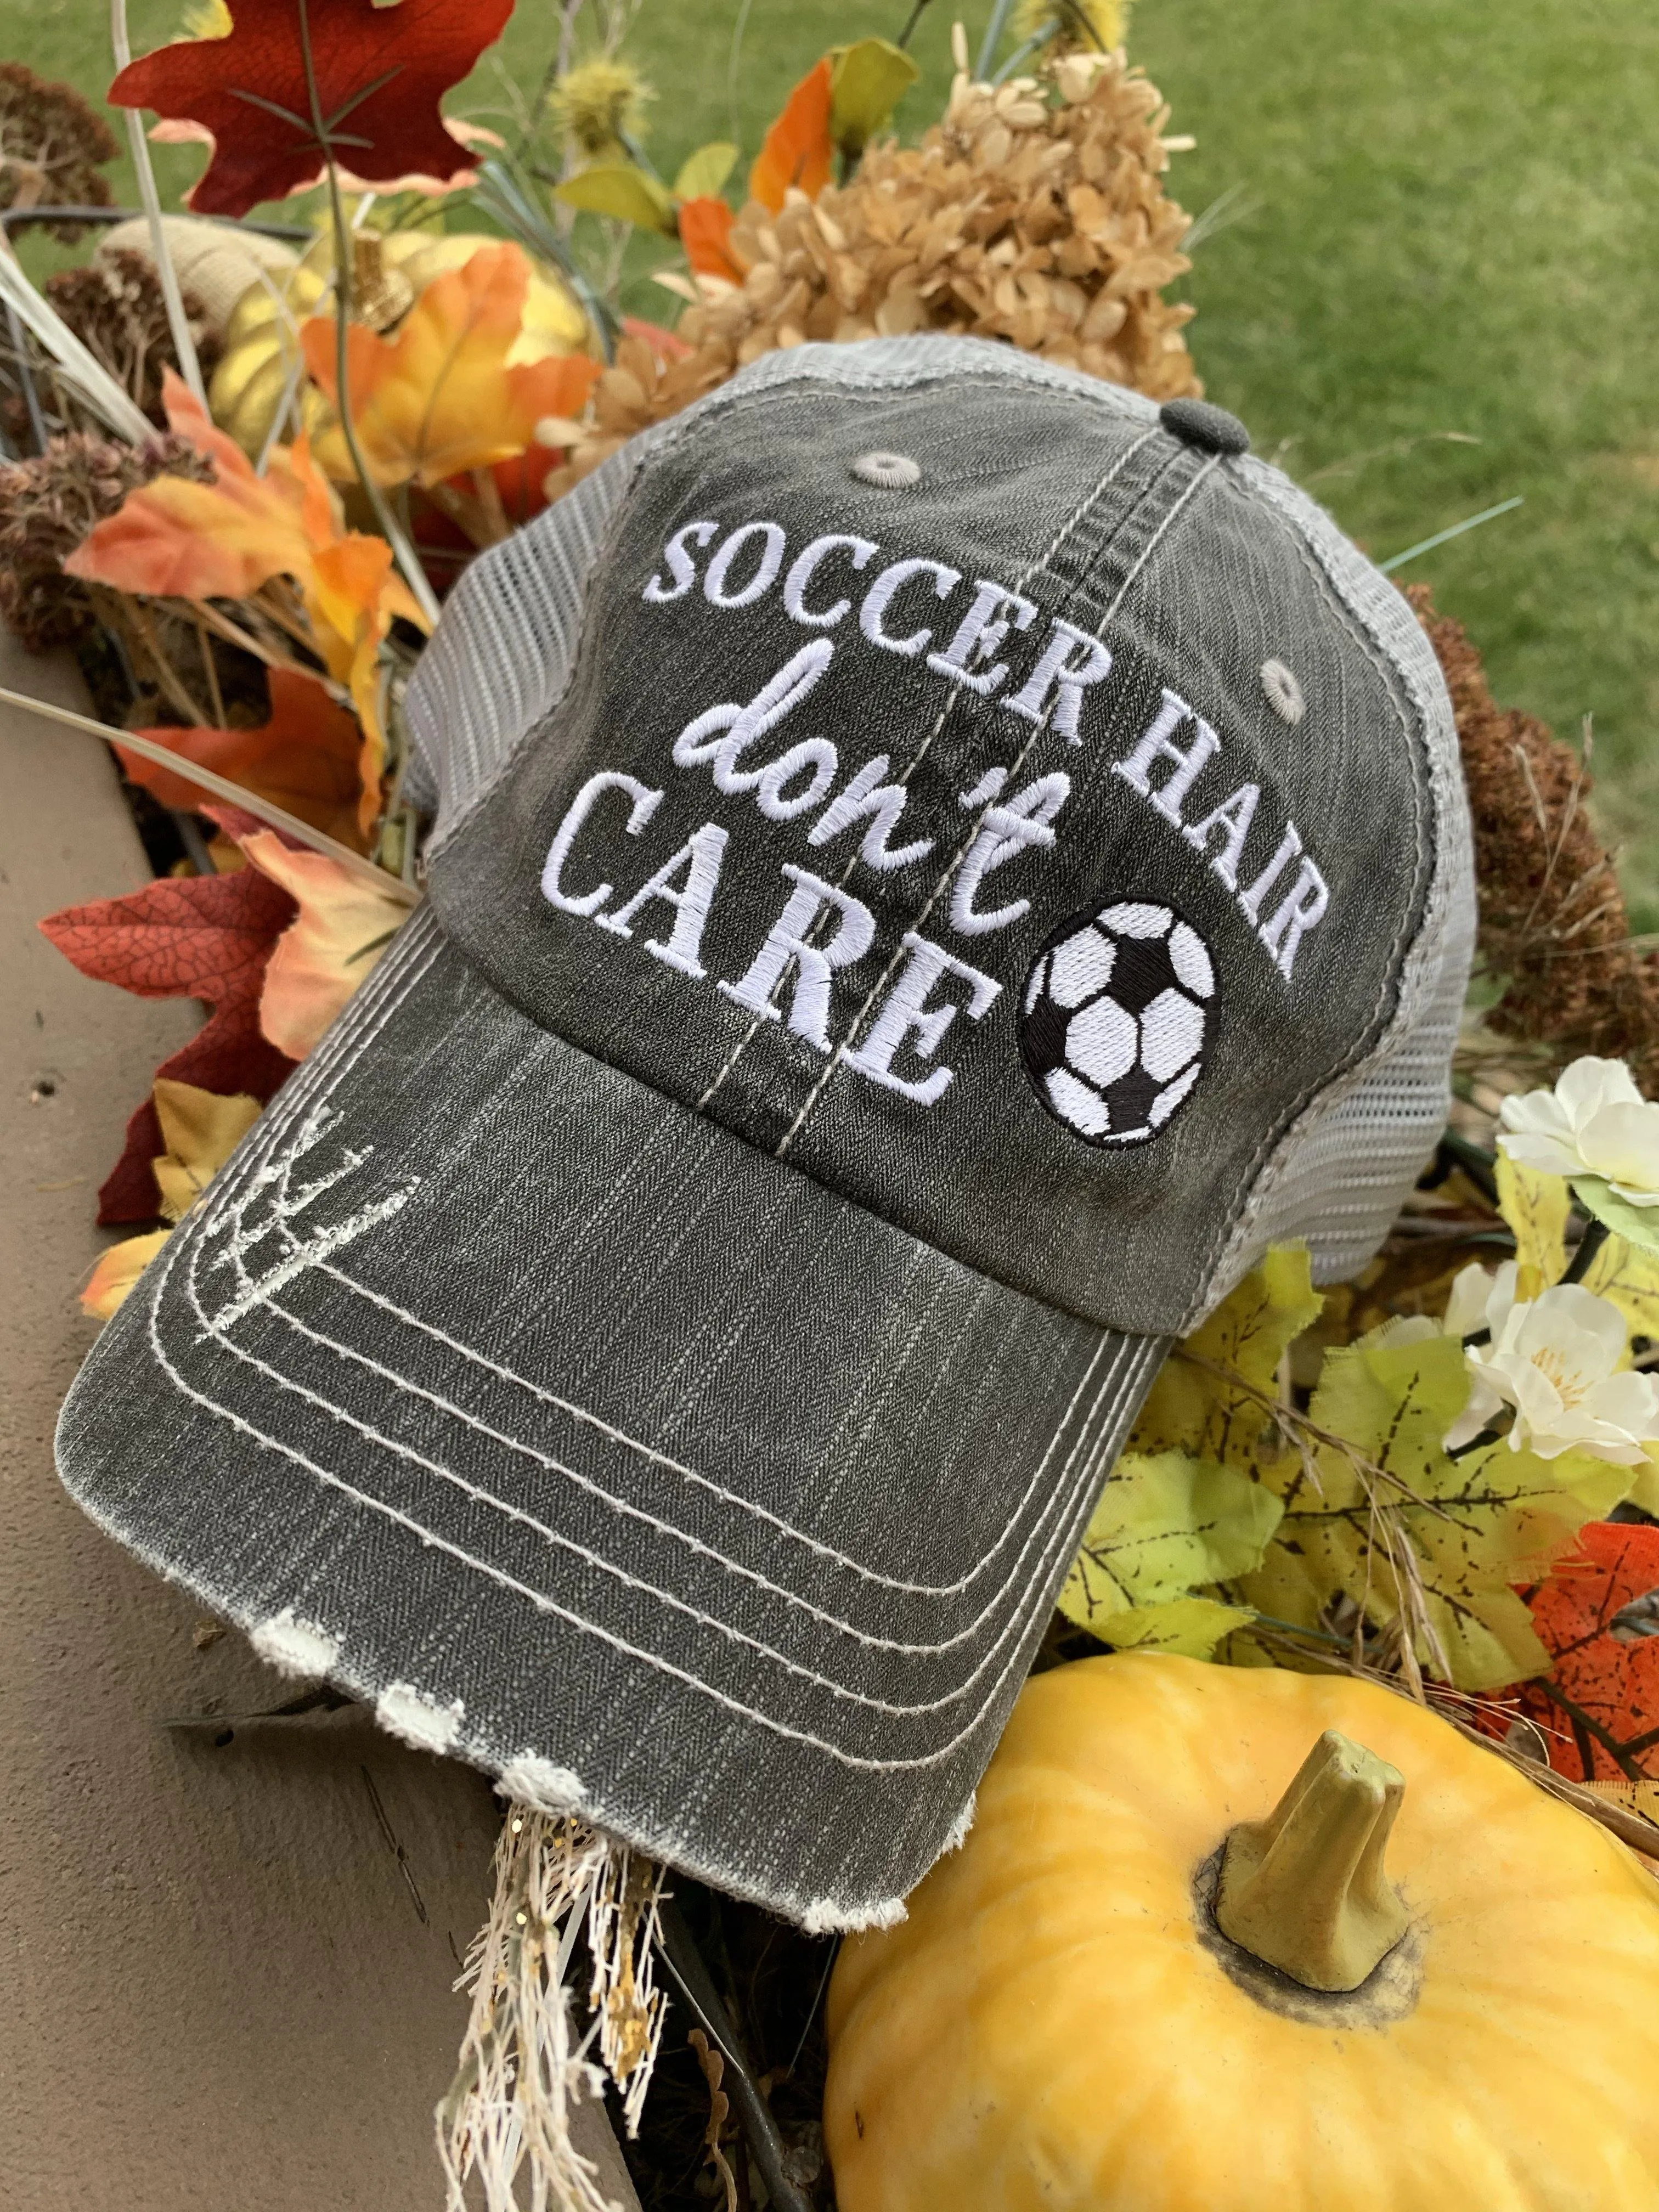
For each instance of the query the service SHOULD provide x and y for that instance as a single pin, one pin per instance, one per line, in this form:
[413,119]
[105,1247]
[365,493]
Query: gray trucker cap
[938,864]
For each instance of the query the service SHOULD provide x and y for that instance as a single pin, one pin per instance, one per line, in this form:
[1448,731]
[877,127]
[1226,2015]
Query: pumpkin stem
[1305,1889]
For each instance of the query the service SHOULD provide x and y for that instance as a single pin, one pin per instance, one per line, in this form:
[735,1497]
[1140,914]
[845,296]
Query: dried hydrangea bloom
[115,307]
[1034,212]
[48,505]
[53,146]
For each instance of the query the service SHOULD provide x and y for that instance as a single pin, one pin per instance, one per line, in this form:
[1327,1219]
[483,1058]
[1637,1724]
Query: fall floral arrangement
[255,457]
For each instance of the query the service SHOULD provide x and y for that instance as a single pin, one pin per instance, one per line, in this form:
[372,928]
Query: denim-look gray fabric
[674,1374]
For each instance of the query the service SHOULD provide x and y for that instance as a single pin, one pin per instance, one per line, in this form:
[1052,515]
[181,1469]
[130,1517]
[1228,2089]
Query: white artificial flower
[1554,1359]
[1597,1122]
[1466,1309]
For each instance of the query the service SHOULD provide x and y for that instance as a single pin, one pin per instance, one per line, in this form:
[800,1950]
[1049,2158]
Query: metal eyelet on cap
[1282,692]
[891,471]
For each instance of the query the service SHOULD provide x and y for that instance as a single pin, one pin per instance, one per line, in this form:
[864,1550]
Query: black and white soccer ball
[1113,1018]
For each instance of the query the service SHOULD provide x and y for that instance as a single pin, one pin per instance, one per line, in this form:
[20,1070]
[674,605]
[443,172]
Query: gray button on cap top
[1195,422]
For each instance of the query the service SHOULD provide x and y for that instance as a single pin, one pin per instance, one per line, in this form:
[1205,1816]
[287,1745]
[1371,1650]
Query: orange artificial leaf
[1598,1615]
[306,758]
[798,149]
[172,538]
[705,233]
[343,927]
[117,1272]
[438,398]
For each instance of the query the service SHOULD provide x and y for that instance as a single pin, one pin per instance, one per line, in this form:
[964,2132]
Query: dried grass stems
[522,2069]
[1035,213]
[1554,932]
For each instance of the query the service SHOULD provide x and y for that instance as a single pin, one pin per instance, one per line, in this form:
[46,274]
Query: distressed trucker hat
[937,863]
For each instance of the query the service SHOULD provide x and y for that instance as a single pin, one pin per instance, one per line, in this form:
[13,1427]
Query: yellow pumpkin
[1075,2016]
[392,268]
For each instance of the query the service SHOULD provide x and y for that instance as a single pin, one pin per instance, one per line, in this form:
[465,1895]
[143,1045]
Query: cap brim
[601,1449]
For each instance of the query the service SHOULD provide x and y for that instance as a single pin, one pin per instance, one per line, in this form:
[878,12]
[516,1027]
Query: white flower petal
[1571,1324]
[1466,1309]
[1539,1111]
[1549,1150]
[1500,1299]
[1483,1402]
[1630,1402]
[1621,1142]
[1590,1084]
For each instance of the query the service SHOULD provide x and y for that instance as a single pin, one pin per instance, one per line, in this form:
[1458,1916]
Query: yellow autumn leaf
[1629,1276]
[1213,1396]
[118,1270]
[1191,1627]
[439,398]
[703,173]
[1164,1525]
[344,925]
[622,191]
[1536,1205]
[202,1130]
[1389,1520]
[867,80]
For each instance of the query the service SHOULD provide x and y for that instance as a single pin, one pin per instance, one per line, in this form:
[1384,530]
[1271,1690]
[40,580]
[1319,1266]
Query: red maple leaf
[370,98]
[197,936]
[1603,1690]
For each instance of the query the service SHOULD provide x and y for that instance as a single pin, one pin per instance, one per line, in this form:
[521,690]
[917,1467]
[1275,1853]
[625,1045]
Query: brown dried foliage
[48,505]
[1035,213]
[54,145]
[115,307]
[1553,928]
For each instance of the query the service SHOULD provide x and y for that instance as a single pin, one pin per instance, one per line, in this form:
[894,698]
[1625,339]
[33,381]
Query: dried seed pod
[1554,927]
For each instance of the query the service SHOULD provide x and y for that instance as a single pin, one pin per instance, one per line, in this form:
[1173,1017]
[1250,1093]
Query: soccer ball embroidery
[1112,1021]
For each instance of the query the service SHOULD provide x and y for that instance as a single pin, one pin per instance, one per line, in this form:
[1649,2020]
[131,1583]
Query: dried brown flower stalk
[115,307]
[1553,928]
[48,505]
[54,145]
[1034,212]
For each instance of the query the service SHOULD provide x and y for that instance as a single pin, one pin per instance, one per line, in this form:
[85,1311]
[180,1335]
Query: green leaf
[1637,1224]
[1163,1527]
[703,173]
[1190,1626]
[868,81]
[1536,1205]
[1447,1547]
[623,189]
[1208,1397]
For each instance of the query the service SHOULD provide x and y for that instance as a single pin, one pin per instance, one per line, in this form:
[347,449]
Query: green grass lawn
[1445,220]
